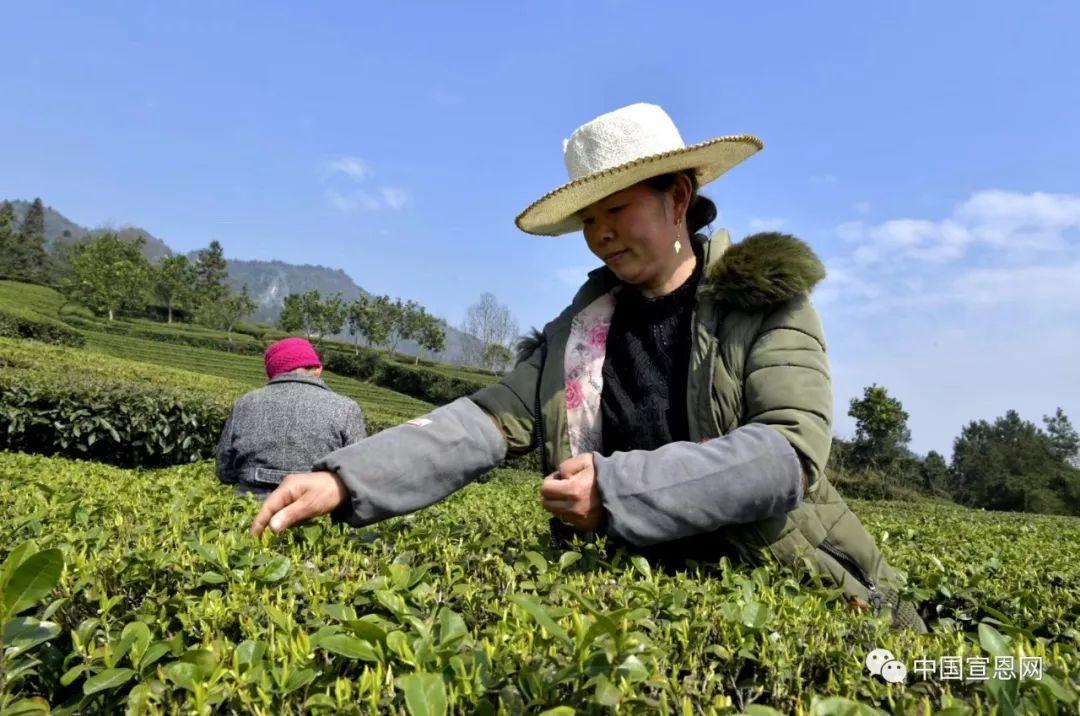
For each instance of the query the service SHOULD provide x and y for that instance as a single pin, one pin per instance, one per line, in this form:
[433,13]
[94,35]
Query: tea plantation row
[166,604]
[39,312]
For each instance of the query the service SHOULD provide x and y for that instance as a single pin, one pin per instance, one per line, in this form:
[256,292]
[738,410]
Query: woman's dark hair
[701,211]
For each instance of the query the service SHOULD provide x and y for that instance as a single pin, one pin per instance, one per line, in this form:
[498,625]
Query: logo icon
[882,662]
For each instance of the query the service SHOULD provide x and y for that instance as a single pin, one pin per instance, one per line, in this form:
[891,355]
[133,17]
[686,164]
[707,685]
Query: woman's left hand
[571,494]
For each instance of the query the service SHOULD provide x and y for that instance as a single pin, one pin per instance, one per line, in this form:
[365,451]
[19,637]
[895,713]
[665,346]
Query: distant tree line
[1005,464]
[22,244]
[380,321]
[109,273]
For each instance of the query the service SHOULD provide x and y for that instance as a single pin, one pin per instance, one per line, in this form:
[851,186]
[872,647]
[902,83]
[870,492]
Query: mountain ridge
[268,281]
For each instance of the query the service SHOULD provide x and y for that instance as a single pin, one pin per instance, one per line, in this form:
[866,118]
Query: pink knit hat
[288,355]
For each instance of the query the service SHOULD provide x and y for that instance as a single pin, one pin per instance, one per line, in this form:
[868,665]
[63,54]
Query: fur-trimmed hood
[763,270]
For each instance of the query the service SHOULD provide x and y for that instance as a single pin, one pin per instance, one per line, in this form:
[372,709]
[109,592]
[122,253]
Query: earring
[678,244]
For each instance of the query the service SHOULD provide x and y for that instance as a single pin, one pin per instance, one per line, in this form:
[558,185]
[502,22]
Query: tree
[309,313]
[1011,464]
[432,335]
[497,357]
[291,319]
[406,321]
[491,323]
[22,250]
[211,274]
[224,313]
[935,473]
[173,280]
[329,316]
[108,274]
[8,234]
[1064,440]
[357,316]
[881,432]
[380,321]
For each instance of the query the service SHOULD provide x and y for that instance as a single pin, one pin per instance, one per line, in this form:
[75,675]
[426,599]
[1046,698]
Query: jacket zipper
[538,420]
[876,597]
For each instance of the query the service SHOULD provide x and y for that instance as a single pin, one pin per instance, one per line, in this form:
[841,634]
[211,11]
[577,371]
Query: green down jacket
[758,355]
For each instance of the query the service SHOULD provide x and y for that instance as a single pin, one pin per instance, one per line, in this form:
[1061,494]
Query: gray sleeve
[416,464]
[686,488]
[226,453]
[355,429]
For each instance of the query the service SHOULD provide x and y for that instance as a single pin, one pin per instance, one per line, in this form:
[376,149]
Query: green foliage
[382,407]
[423,383]
[881,432]
[172,607]
[27,577]
[1064,440]
[222,313]
[29,311]
[431,334]
[211,275]
[21,323]
[55,400]
[936,477]
[108,274]
[173,283]
[22,248]
[362,364]
[1011,464]
[187,335]
[310,314]
[497,356]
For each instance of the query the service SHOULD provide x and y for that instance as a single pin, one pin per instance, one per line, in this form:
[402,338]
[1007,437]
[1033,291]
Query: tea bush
[382,407]
[18,323]
[55,400]
[29,311]
[174,333]
[168,605]
[425,383]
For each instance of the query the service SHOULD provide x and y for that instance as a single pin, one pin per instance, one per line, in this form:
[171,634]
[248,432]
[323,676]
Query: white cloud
[352,167]
[862,207]
[1056,288]
[1035,221]
[349,202]
[772,224]
[344,173]
[962,316]
[393,197]
[993,219]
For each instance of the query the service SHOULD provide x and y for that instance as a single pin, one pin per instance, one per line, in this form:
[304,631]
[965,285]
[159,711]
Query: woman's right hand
[299,498]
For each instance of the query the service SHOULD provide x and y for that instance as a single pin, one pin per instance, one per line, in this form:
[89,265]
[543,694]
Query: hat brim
[555,213]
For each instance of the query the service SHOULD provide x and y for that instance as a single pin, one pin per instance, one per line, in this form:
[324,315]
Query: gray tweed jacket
[284,427]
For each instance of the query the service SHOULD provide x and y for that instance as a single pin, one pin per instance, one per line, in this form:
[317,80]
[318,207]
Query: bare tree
[491,323]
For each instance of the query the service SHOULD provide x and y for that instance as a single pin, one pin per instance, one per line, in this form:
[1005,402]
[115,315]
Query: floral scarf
[584,380]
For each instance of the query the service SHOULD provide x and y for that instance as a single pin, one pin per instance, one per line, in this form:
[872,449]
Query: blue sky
[928,151]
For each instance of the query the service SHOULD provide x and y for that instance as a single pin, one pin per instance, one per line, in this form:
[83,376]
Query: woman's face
[633,232]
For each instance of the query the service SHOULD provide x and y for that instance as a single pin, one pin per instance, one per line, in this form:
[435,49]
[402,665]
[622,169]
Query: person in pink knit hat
[286,425]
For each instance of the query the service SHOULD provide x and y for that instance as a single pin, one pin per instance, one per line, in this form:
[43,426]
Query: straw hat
[617,150]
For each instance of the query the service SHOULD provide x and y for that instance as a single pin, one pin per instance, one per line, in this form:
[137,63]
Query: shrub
[55,400]
[21,323]
[171,334]
[362,365]
[168,605]
[425,383]
[428,384]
